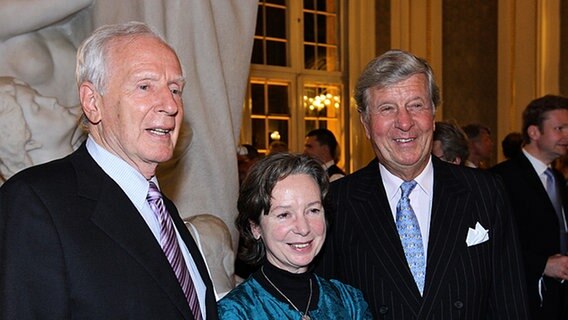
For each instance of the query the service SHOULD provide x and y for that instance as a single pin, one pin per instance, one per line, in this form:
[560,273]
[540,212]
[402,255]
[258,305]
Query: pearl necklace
[304,314]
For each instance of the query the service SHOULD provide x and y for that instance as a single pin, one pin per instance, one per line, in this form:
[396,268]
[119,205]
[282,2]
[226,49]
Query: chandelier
[322,101]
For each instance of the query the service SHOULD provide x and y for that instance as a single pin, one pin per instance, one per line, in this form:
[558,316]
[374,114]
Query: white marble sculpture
[214,241]
[33,129]
[38,42]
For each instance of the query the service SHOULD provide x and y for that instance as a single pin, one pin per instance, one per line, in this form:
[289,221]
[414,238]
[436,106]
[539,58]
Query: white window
[296,79]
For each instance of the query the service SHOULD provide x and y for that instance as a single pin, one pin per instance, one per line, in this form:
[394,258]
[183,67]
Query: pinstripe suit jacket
[73,246]
[363,248]
[538,230]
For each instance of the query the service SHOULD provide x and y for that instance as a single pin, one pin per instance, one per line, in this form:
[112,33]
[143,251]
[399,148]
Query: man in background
[247,155]
[450,143]
[90,236]
[480,145]
[512,145]
[322,145]
[538,196]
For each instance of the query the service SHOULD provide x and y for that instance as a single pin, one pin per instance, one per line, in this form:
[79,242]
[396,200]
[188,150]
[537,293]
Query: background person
[422,238]
[480,145]
[450,143]
[277,146]
[89,236]
[282,220]
[512,145]
[538,196]
[321,145]
[247,155]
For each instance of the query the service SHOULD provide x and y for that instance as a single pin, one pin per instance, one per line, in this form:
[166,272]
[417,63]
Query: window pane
[278,100]
[278,130]
[309,56]
[276,22]
[258,134]
[309,25]
[259,22]
[276,53]
[257,98]
[310,125]
[321,5]
[322,101]
[321,58]
[257,56]
[271,34]
[322,31]
[331,58]
[309,4]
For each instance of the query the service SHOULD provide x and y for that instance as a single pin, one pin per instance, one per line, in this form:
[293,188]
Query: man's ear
[365,125]
[90,102]
[533,132]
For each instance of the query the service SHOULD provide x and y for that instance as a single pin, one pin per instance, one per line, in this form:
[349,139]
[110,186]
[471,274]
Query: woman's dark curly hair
[255,195]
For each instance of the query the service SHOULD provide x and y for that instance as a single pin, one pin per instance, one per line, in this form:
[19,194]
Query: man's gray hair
[92,54]
[388,69]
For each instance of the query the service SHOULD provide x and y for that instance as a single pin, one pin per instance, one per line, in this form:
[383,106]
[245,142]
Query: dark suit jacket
[73,246]
[538,229]
[363,248]
[334,169]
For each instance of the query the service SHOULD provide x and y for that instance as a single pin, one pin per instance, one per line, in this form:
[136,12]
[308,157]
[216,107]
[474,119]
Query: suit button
[458,304]
[383,309]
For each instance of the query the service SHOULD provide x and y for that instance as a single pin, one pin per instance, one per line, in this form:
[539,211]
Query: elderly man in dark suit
[538,196]
[422,238]
[90,236]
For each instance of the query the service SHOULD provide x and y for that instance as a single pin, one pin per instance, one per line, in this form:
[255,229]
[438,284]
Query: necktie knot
[154,193]
[549,174]
[406,187]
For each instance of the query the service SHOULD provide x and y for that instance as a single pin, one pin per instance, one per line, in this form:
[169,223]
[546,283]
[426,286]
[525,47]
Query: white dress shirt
[420,197]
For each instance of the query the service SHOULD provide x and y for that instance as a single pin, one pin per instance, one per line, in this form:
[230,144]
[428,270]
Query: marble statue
[38,42]
[33,129]
[214,240]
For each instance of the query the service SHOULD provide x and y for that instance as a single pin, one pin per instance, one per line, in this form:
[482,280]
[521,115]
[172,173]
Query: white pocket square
[477,235]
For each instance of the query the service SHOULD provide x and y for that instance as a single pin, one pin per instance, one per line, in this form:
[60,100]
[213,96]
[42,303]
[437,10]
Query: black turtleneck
[296,286]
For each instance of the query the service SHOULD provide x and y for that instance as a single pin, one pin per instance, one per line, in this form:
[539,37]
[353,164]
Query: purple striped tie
[170,245]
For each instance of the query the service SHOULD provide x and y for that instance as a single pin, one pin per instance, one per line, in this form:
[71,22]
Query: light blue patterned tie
[552,191]
[410,236]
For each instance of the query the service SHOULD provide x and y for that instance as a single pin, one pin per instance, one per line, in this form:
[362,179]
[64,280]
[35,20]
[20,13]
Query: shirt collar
[132,182]
[425,181]
[538,165]
[328,164]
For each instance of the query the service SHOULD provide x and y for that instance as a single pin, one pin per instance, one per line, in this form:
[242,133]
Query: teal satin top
[252,302]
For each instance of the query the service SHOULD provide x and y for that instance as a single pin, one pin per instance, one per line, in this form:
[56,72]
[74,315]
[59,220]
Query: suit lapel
[115,215]
[448,228]
[533,180]
[370,196]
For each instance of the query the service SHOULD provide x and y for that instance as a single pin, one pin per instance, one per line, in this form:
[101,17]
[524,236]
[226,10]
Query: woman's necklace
[304,315]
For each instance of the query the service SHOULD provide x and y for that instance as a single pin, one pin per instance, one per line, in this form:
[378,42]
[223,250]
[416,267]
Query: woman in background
[282,223]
